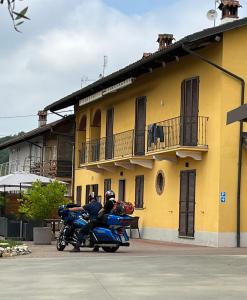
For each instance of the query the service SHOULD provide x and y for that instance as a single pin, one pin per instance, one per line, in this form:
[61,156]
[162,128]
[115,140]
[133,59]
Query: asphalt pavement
[146,270]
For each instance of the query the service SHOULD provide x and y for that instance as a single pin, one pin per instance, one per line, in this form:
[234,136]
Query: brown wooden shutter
[121,190]
[95,189]
[189,112]
[139,191]
[187,203]
[78,195]
[140,125]
[109,134]
[107,186]
[87,193]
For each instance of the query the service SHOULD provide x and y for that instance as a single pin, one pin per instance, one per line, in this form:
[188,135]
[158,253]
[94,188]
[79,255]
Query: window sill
[140,208]
[186,237]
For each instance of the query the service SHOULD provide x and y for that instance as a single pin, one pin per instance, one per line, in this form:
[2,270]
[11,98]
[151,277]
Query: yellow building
[155,132]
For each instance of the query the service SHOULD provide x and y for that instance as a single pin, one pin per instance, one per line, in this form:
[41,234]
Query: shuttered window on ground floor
[139,191]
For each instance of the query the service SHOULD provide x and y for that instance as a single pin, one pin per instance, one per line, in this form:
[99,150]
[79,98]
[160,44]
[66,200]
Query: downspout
[240,151]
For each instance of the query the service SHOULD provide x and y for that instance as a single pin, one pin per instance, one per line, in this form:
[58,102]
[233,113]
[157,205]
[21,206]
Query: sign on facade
[223,197]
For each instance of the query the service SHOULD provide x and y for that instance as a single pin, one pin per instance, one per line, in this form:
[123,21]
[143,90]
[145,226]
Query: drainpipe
[240,151]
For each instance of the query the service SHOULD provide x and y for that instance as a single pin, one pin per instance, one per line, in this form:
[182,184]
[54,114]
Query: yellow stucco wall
[234,59]
[162,88]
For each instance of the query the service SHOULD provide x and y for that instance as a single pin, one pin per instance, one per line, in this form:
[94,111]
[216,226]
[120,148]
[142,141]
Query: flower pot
[42,235]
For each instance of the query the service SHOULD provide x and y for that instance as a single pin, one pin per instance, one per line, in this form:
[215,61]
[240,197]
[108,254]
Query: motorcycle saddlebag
[118,220]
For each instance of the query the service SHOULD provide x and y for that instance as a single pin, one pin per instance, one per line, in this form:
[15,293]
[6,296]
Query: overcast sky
[66,41]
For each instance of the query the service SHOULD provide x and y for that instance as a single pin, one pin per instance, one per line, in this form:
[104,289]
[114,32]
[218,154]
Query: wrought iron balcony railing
[177,132]
[164,135]
[112,147]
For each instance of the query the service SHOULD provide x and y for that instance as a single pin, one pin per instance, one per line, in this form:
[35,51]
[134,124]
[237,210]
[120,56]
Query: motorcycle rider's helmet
[109,195]
[61,209]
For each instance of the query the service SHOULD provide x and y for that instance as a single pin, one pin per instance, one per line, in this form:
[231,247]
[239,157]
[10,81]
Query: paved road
[148,270]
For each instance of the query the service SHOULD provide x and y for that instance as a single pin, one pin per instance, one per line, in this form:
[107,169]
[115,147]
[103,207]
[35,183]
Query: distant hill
[4,154]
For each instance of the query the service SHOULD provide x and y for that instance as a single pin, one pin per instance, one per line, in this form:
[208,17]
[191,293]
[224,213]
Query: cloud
[67,40]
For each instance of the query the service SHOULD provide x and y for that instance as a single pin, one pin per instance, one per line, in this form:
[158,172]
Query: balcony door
[140,124]
[109,134]
[189,112]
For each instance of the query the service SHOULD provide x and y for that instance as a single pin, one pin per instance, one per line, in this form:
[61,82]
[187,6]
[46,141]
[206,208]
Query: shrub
[40,201]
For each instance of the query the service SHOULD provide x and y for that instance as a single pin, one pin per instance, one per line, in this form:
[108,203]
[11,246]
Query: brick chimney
[165,40]
[42,118]
[146,55]
[229,10]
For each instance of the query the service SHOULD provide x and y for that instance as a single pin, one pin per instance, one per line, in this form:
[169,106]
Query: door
[107,186]
[189,112]
[78,195]
[139,191]
[187,203]
[95,189]
[109,134]
[121,190]
[140,124]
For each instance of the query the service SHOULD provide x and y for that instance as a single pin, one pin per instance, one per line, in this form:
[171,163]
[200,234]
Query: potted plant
[39,203]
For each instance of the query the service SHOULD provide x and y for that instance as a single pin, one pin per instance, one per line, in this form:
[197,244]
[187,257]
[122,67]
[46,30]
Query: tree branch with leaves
[18,17]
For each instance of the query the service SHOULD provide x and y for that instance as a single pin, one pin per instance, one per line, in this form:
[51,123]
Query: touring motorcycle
[110,235]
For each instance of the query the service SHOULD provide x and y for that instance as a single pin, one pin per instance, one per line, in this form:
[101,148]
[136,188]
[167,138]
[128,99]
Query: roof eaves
[192,38]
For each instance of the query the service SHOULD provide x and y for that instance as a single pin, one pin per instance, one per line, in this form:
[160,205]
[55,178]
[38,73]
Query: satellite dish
[212,15]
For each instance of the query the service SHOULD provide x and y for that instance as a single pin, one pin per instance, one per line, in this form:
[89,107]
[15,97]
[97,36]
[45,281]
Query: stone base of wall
[203,238]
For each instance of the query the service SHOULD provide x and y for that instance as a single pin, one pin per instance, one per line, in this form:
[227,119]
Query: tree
[18,17]
[40,201]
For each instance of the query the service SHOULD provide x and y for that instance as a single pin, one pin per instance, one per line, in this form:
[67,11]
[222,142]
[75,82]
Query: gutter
[240,151]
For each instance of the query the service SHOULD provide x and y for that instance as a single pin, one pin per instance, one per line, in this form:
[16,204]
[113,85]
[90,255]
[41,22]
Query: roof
[143,66]
[34,133]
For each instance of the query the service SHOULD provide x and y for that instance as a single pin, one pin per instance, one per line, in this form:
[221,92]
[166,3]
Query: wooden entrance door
[189,112]
[109,134]
[140,124]
[187,203]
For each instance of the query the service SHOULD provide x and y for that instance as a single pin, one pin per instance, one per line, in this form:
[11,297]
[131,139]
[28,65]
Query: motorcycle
[110,235]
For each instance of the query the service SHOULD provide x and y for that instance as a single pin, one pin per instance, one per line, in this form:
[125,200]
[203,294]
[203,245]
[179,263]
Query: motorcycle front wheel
[110,249]
[60,243]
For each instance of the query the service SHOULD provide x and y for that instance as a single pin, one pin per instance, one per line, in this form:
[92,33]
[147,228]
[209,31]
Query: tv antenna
[212,13]
[104,66]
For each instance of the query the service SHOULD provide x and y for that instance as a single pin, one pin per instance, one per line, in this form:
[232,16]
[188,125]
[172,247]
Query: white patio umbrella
[20,180]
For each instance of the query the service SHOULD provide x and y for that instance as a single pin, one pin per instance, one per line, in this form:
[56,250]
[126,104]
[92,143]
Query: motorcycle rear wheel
[60,246]
[110,249]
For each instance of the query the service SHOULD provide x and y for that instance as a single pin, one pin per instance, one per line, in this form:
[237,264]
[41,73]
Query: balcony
[182,136]
[113,147]
[165,140]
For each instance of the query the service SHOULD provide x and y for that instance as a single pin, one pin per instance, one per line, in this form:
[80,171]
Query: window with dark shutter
[121,190]
[107,186]
[87,193]
[78,195]
[139,191]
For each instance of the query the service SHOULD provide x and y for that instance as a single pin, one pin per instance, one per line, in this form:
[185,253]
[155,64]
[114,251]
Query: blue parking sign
[223,197]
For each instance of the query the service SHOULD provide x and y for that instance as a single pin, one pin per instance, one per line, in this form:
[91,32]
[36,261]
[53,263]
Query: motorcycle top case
[118,220]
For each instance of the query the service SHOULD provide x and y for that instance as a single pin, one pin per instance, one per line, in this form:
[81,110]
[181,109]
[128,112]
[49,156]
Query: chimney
[146,55]
[165,40]
[229,10]
[42,118]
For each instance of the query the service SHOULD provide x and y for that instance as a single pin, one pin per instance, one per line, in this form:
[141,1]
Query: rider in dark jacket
[93,208]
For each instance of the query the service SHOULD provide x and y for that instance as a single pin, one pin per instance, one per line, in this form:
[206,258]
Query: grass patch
[10,243]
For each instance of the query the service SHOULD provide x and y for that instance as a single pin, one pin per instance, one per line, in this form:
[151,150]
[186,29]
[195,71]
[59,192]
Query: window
[121,190]
[89,189]
[160,182]
[107,186]
[78,195]
[139,191]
